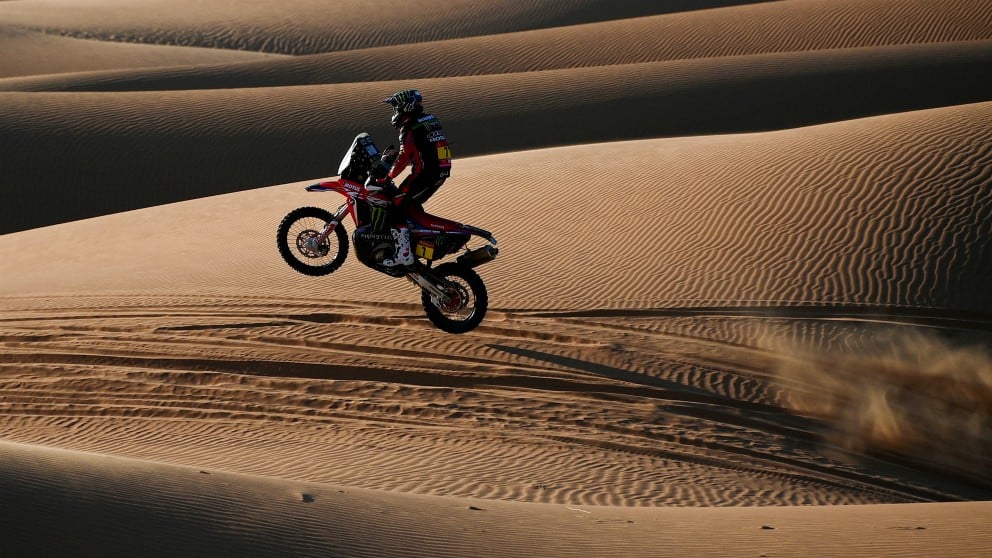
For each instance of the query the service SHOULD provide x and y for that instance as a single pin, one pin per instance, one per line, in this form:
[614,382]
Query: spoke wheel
[298,245]
[465,302]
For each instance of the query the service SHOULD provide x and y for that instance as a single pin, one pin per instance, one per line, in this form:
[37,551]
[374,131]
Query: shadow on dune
[936,317]
[597,369]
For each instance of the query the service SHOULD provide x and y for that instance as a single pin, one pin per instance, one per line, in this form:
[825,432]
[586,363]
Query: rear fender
[480,232]
[439,224]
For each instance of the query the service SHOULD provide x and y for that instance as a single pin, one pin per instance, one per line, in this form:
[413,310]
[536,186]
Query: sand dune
[244,515]
[309,26]
[28,52]
[824,61]
[740,305]
[778,222]
[830,214]
[794,27]
[174,145]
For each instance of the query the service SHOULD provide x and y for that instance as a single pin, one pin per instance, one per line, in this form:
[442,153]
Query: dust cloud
[921,397]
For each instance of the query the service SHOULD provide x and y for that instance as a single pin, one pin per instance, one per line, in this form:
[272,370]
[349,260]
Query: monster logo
[378,218]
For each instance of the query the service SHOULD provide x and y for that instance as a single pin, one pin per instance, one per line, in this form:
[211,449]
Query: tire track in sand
[504,390]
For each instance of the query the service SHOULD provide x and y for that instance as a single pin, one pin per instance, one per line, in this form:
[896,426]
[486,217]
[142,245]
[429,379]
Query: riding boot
[404,255]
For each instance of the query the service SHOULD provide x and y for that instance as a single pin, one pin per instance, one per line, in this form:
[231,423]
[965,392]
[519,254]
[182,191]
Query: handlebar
[389,155]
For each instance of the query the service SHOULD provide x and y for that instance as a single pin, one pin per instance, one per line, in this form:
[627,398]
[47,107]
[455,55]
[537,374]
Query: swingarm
[427,285]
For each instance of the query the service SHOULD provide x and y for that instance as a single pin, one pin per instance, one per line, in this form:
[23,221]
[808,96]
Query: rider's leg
[404,254]
[413,203]
[420,188]
[423,188]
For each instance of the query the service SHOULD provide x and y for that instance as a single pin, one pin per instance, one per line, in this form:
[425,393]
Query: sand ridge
[825,61]
[708,34]
[306,26]
[224,510]
[236,139]
[726,205]
[34,53]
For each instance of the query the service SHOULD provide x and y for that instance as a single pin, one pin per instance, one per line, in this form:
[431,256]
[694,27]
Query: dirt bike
[313,241]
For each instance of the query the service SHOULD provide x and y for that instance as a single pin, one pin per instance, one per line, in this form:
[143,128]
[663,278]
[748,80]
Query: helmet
[408,101]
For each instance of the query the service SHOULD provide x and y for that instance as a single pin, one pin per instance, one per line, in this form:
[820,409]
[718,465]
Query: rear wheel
[297,240]
[465,302]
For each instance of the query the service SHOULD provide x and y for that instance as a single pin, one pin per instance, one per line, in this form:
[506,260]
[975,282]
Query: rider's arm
[407,148]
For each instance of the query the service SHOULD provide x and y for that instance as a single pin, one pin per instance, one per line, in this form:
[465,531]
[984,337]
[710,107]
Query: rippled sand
[741,298]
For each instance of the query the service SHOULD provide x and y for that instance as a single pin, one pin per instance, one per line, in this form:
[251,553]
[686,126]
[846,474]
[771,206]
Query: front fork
[329,227]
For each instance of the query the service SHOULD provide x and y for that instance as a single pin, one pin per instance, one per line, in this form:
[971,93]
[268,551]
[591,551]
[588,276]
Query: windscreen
[362,151]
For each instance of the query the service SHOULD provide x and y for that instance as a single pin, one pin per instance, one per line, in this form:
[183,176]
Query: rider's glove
[389,155]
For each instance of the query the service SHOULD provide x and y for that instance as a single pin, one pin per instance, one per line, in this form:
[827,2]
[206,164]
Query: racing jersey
[424,146]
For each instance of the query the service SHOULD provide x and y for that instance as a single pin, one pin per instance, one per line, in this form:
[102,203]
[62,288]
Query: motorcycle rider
[424,147]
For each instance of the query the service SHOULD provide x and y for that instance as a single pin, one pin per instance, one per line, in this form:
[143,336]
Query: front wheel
[298,245]
[465,302]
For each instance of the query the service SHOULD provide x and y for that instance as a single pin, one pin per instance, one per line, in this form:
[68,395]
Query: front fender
[329,186]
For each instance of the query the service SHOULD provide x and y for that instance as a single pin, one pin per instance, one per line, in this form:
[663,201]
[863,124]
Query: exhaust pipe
[479,256]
